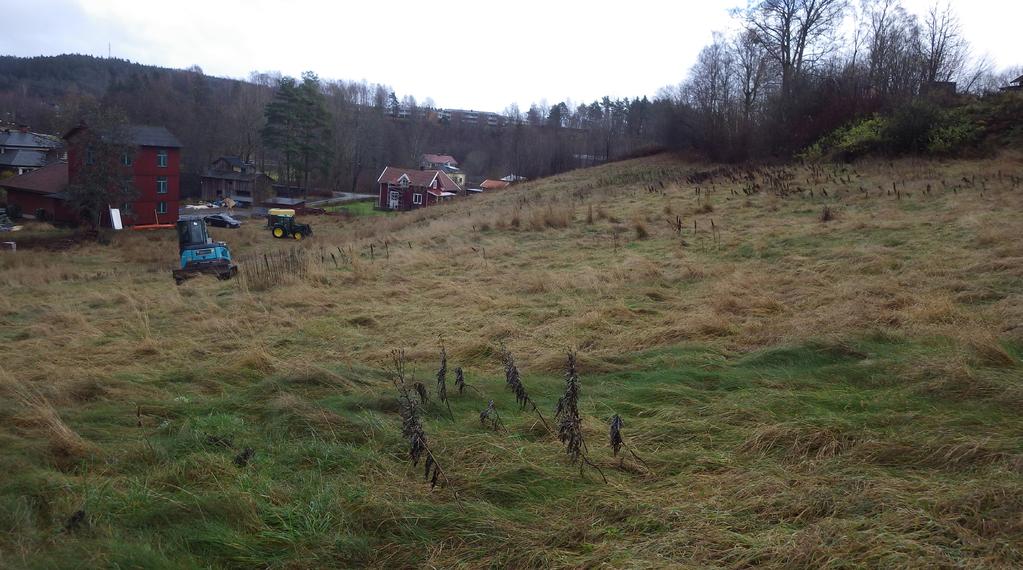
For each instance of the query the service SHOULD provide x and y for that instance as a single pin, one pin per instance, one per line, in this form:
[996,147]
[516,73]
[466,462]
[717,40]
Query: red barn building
[155,168]
[40,193]
[408,189]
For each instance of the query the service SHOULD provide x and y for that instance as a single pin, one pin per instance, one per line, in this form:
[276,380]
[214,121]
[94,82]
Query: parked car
[223,221]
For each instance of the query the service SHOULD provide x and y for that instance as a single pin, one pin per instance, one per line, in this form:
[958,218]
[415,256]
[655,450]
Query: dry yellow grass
[938,264]
[586,260]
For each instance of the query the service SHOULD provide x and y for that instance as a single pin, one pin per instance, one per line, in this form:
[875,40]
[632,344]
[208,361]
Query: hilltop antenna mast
[108,50]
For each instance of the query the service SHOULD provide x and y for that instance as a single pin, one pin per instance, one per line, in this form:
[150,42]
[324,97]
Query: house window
[126,208]
[417,198]
[161,158]
[161,184]
[89,158]
[161,207]
[126,159]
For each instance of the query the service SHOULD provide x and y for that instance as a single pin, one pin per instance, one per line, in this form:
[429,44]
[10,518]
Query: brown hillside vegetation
[819,365]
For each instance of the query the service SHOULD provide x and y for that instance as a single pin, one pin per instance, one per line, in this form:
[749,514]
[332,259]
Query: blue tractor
[199,253]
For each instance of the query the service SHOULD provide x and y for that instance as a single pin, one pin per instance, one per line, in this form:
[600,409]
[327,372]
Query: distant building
[489,184]
[455,174]
[408,189]
[468,117]
[40,194]
[941,91]
[231,177]
[23,151]
[1014,85]
[285,196]
[435,161]
[155,166]
[445,163]
[513,178]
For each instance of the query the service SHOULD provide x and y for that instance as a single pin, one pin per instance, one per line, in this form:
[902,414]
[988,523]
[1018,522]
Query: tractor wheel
[278,232]
[298,236]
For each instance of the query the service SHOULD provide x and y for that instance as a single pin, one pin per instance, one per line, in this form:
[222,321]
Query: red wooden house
[40,193]
[155,167]
[408,189]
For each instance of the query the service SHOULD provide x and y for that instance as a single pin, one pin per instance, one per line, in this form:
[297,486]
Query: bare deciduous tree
[796,33]
[892,37]
[943,49]
[752,67]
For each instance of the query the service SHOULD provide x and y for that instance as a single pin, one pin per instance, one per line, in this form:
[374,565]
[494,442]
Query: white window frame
[161,207]
[161,158]
[126,159]
[161,182]
[417,198]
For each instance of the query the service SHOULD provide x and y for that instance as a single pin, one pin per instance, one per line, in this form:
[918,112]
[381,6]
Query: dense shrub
[956,132]
[851,141]
[909,129]
[921,127]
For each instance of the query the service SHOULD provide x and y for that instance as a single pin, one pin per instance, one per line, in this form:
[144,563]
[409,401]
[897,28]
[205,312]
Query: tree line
[795,70]
[790,72]
[309,131]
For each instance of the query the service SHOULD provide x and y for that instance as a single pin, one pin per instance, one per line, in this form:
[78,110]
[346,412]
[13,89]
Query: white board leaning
[115,219]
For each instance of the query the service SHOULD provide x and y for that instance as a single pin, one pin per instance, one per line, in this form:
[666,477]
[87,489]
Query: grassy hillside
[803,393]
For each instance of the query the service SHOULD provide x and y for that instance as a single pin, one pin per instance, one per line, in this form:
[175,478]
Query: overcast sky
[465,54]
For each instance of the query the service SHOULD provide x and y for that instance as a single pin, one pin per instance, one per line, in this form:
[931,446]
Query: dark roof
[142,135]
[422,178]
[1017,80]
[23,157]
[232,160]
[49,179]
[28,140]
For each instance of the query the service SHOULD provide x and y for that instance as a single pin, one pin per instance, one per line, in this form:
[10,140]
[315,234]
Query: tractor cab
[192,233]
[282,224]
[199,253]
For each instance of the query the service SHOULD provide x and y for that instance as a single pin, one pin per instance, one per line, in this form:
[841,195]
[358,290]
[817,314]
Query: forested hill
[51,78]
[47,93]
[364,131]
[211,115]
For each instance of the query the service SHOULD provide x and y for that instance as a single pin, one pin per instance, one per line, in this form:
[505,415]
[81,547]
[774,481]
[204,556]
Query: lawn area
[361,208]
[794,392]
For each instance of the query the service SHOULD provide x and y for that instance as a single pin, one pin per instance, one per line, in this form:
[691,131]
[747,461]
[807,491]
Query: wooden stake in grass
[511,377]
[570,423]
